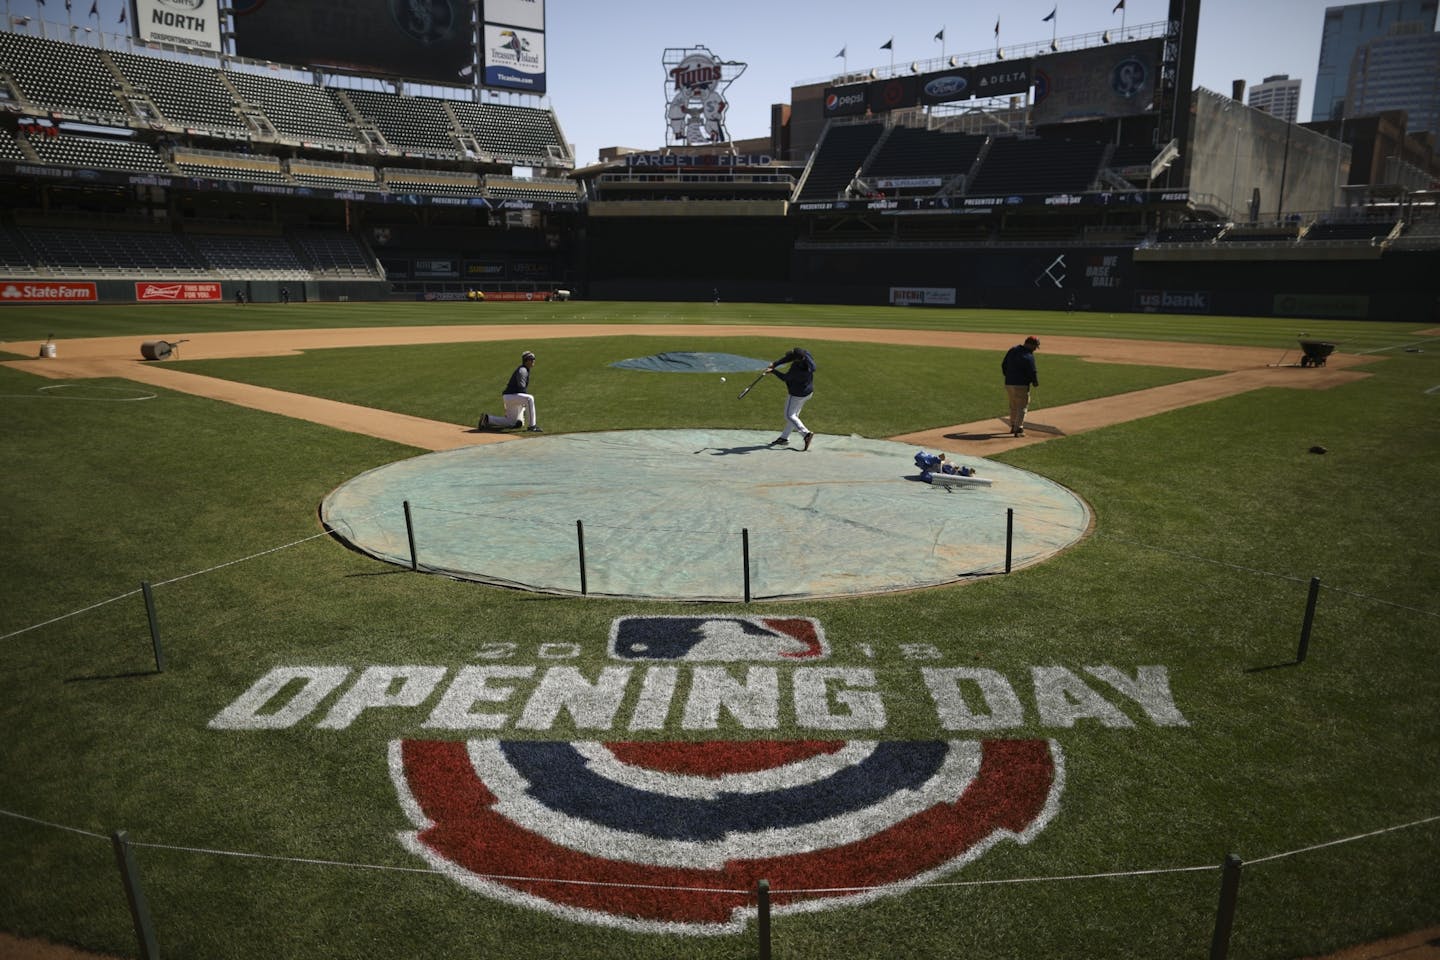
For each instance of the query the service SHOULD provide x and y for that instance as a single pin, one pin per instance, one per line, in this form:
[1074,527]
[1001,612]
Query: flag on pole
[1051,15]
[94,8]
[841,54]
[997,28]
[41,2]
[122,15]
[1118,6]
[888,44]
[941,35]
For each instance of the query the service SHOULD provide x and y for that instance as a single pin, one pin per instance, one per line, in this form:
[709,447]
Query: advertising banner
[848,101]
[514,59]
[947,87]
[883,96]
[529,14]
[1097,82]
[185,23]
[150,292]
[934,296]
[434,268]
[1172,301]
[518,295]
[484,269]
[1002,79]
[47,291]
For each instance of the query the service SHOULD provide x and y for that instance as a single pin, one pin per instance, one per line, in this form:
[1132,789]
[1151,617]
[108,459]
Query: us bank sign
[654,825]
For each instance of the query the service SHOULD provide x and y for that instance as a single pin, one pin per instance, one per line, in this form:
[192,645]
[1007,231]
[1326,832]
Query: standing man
[519,402]
[1019,369]
[800,384]
[284,294]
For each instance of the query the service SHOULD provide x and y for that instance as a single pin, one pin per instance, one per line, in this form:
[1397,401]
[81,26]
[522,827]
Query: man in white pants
[800,385]
[519,402]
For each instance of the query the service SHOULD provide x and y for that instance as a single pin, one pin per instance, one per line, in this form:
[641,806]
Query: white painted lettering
[999,706]
[863,710]
[471,686]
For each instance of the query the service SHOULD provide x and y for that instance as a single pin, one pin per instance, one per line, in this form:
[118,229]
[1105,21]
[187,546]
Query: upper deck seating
[186,95]
[1018,166]
[414,125]
[511,132]
[64,78]
[842,150]
[297,111]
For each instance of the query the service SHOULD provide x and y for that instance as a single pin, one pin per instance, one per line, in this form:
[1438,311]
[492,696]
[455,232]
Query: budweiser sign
[176,292]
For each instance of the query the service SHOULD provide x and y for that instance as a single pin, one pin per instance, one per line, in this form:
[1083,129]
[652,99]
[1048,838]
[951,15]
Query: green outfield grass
[1209,524]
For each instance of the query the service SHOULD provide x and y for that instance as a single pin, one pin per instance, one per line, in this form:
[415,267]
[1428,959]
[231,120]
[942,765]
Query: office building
[1278,96]
[1346,30]
[1399,71]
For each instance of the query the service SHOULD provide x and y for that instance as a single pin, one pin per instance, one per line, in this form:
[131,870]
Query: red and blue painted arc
[465,829]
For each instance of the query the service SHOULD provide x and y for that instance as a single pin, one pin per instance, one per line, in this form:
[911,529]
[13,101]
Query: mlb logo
[718,639]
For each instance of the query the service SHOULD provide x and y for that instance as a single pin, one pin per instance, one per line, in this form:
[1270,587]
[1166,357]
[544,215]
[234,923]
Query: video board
[428,40]
[418,39]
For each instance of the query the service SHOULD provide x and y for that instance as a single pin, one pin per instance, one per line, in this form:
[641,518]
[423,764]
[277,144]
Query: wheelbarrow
[1316,351]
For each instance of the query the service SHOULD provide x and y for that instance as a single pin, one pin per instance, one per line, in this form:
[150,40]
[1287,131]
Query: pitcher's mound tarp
[688,361]
[663,513]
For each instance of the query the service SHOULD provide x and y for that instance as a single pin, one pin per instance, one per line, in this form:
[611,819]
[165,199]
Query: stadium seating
[10,149]
[16,259]
[114,253]
[1190,232]
[508,188]
[1420,235]
[521,134]
[334,254]
[298,111]
[419,126]
[453,183]
[335,176]
[229,166]
[1015,165]
[186,95]
[250,257]
[839,154]
[917,152]
[63,78]
[98,153]
[1348,231]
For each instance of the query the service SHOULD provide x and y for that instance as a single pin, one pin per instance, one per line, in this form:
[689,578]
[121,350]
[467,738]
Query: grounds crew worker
[1019,369]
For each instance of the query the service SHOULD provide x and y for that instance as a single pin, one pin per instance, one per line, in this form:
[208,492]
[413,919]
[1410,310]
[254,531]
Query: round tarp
[666,514]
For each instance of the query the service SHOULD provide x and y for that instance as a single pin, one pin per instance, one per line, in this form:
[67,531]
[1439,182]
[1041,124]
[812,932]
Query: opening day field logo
[671,835]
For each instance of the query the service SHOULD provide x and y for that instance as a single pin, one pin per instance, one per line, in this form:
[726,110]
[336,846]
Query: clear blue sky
[607,85]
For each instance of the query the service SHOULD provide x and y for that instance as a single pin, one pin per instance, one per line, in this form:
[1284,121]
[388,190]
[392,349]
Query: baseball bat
[752,384]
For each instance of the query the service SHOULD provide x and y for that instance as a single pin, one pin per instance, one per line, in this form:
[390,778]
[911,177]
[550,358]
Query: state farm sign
[47,291]
[174,292]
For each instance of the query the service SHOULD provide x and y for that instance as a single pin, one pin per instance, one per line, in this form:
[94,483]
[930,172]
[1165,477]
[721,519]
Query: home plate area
[701,515]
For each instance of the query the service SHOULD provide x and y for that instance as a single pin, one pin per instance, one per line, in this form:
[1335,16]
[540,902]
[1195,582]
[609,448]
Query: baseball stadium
[760,612]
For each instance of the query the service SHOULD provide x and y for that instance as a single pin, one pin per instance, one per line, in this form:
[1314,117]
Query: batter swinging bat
[752,383]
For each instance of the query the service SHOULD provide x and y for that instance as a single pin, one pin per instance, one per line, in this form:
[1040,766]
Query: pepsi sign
[844,101]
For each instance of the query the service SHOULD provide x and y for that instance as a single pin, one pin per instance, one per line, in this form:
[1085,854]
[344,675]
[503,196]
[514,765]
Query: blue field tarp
[666,513]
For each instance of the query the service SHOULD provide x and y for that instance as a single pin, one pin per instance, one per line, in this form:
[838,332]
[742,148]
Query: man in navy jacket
[800,384]
[1020,375]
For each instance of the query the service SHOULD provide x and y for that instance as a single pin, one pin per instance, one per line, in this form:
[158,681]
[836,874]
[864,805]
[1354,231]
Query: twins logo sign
[671,837]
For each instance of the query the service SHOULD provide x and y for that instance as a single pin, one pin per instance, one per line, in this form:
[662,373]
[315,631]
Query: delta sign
[634,830]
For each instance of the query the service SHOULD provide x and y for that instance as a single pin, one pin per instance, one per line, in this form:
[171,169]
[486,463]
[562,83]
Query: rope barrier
[1061,878]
